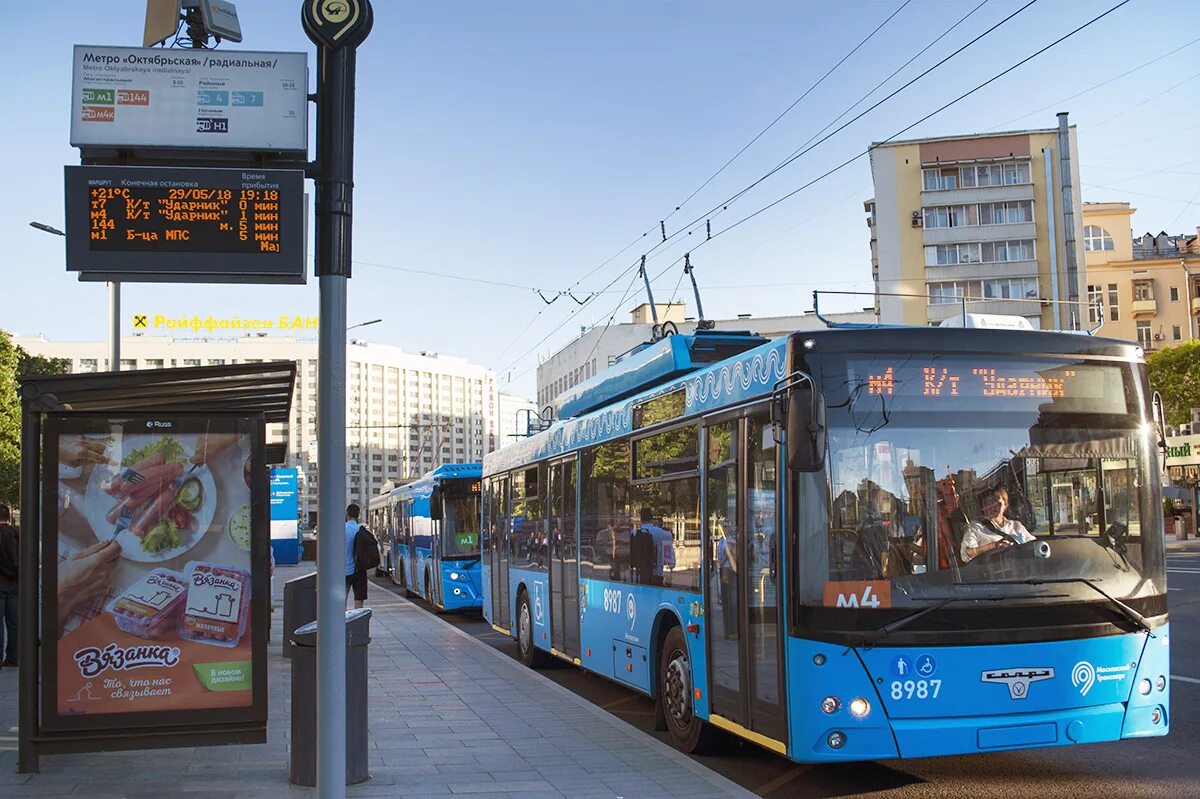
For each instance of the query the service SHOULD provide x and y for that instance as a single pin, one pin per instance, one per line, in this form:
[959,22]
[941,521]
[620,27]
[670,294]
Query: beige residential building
[1144,289]
[978,220]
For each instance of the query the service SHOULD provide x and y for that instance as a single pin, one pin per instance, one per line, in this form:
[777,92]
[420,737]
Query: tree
[15,363]
[1175,373]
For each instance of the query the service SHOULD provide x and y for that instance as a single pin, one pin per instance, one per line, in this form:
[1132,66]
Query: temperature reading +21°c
[211,219]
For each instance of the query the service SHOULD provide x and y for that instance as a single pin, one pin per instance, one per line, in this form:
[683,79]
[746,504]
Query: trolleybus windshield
[954,476]
[460,520]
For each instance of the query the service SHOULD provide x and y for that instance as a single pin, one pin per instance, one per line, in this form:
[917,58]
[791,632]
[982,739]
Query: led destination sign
[212,224]
[989,384]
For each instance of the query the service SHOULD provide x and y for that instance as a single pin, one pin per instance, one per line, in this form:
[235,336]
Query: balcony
[1195,304]
[1145,307]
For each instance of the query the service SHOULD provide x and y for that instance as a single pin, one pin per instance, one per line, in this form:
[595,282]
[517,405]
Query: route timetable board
[184,98]
[168,224]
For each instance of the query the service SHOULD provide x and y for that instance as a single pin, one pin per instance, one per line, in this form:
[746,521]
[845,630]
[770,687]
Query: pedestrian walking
[356,578]
[9,555]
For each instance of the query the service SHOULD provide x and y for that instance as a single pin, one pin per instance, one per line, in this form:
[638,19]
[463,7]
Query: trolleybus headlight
[1144,686]
[836,740]
[831,704]
[1156,715]
[453,575]
[859,707]
[1161,683]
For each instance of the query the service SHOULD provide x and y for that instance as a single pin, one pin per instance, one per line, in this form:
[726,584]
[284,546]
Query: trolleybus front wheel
[530,655]
[675,690]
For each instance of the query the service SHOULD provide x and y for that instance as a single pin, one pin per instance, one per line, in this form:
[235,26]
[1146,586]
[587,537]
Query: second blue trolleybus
[429,531]
[849,544]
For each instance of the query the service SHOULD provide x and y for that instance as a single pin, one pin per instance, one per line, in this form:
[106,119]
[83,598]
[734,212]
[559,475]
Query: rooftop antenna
[701,323]
[656,331]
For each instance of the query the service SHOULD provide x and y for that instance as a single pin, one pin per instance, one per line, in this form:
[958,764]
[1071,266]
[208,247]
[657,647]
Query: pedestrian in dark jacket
[9,555]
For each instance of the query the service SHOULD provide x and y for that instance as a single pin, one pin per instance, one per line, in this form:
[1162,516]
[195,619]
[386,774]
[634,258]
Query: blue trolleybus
[429,530]
[849,544]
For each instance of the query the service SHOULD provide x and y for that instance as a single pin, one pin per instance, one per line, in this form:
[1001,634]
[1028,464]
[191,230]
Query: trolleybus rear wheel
[675,690]
[530,655]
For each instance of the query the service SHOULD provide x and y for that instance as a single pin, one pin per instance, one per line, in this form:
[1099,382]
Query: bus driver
[993,531]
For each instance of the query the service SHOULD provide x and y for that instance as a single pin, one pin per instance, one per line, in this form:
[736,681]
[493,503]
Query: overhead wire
[703,218]
[662,223]
[1058,103]
[795,102]
[909,127]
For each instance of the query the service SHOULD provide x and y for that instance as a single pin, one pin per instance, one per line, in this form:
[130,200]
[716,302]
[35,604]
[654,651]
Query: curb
[661,749]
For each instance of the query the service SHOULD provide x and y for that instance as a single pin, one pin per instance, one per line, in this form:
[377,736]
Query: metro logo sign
[858,594]
[93,113]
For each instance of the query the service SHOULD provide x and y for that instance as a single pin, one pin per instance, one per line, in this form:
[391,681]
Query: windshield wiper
[1131,615]
[869,639]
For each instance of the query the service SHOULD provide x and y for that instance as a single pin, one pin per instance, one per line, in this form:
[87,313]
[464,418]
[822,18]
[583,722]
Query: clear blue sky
[529,142]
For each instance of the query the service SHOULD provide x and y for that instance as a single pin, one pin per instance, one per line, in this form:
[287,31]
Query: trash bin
[303,769]
[299,607]
[1181,531]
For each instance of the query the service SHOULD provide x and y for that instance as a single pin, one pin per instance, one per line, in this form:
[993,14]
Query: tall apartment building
[1144,289]
[979,219]
[598,348]
[405,413]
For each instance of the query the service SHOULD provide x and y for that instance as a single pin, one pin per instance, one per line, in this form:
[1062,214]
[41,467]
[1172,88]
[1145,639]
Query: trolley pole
[337,29]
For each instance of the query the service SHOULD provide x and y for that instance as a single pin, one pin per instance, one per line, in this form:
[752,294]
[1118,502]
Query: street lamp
[114,307]
[364,324]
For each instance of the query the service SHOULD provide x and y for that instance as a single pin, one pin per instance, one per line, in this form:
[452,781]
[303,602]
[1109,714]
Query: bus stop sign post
[337,27]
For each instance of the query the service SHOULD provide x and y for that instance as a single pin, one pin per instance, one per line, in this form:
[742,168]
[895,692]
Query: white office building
[598,348]
[405,413]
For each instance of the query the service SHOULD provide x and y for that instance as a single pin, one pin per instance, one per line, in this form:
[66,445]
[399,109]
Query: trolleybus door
[742,596]
[564,558]
[500,538]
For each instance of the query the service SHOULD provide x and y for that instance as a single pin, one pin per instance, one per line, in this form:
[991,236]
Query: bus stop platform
[449,716]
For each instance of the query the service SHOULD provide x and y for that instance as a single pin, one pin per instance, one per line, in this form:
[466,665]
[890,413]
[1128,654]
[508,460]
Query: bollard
[299,607]
[303,767]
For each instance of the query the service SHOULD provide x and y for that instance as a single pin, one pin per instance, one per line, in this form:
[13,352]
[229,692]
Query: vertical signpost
[337,27]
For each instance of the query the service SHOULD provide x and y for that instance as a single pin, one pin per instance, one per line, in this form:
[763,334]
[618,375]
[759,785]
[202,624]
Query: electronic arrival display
[167,223]
[989,383]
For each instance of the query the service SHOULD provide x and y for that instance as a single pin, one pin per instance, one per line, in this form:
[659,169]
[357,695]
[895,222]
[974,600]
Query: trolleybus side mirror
[435,504]
[806,429]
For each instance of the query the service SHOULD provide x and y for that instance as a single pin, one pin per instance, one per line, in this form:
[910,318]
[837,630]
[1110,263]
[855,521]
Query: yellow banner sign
[212,324]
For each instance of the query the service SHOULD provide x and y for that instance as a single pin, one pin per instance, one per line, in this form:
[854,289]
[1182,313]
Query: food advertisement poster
[159,529]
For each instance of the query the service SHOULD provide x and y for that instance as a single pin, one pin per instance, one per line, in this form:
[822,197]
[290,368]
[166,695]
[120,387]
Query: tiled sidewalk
[449,716]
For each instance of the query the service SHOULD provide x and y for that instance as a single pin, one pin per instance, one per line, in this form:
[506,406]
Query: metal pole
[331,576]
[114,327]
[1068,216]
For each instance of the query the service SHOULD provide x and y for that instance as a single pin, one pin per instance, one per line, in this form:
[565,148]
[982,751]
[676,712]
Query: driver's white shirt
[978,535]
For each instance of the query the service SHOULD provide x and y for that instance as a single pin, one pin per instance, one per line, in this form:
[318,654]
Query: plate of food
[156,503]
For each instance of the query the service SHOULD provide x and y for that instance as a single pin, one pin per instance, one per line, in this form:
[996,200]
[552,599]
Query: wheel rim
[524,628]
[677,693]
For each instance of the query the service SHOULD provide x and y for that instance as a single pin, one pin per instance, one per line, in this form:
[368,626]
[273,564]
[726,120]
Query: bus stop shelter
[260,392]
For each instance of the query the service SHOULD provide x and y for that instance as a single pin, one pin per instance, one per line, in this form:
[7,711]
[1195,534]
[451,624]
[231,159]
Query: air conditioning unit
[918,219]
[1158,336]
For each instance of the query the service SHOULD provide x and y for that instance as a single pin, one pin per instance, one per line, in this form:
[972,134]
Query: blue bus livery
[849,544]
[429,532]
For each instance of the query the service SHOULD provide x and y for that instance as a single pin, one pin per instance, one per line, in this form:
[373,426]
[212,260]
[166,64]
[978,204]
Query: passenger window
[605,529]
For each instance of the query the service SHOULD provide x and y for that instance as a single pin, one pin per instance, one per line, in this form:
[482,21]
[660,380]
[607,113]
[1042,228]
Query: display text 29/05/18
[127,218]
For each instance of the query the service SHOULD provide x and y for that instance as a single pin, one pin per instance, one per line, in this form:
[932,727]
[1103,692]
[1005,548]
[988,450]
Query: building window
[1095,299]
[1096,238]
[1017,288]
[128,363]
[1113,314]
[980,252]
[1176,333]
[88,364]
[1143,335]
[1174,293]
[1143,290]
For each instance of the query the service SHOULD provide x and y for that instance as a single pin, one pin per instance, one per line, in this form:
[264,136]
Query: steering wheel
[996,554]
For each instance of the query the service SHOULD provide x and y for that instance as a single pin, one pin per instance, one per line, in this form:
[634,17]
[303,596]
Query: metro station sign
[132,97]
